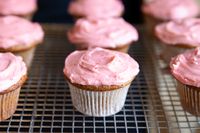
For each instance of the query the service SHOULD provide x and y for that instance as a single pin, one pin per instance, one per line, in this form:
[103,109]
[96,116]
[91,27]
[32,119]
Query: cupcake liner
[190,98]
[150,24]
[168,51]
[27,55]
[29,16]
[98,103]
[123,48]
[8,103]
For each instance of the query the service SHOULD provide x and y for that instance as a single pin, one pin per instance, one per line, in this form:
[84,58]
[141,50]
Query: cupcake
[157,11]
[110,33]
[13,74]
[185,69]
[99,80]
[22,8]
[178,36]
[97,9]
[20,36]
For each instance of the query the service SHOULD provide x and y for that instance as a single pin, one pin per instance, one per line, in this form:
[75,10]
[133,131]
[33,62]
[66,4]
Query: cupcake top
[98,67]
[107,33]
[96,8]
[12,69]
[186,67]
[171,9]
[19,33]
[185,32]
[16,7]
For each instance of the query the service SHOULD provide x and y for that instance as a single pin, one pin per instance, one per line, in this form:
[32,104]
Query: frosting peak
[100,67]
[177,32]
[12,69]
[15,7]
[106,33]
[96,8]
[186,67]
[16,31]
[172,9]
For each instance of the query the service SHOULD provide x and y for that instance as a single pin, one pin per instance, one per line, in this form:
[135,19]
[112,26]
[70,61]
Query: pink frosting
[96,8]
[186,67]
[180,32]
[107,33]
[100,67]
[171,9]
[17,7]
[15,31]
[12,69]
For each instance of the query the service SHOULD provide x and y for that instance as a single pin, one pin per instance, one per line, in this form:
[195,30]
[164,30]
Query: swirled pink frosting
[96,8]
[107,33]
[171,9]
[177,32]
[16,7]
[186,67]
[15,31]
[12,69]
[100,67]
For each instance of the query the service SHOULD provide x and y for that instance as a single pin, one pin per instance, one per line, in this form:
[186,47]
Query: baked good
[157,11]
[111,33]
[185,69]
[22,8]
[13,74]
[96,9]
[177,36]
[99,80]
[20,36]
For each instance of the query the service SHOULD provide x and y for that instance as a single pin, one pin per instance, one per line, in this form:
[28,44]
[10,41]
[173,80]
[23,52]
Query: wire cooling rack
[152,104]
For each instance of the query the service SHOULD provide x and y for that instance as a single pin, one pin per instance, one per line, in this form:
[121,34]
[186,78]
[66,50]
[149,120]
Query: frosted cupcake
[22,8]
[20,36]
[178,36]
[97,9]
[186,70]
[13,74]
[112,33]
[99,80]
[157,11]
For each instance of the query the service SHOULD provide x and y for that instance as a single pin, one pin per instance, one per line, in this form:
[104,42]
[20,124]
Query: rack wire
[152,104]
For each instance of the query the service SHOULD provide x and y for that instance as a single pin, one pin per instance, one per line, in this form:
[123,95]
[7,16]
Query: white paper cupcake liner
[150,24]
[29,16]
[27,56]
[190,98]
[98,103]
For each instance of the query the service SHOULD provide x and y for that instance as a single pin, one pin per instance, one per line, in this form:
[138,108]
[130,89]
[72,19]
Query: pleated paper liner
[98,103]
[190,98]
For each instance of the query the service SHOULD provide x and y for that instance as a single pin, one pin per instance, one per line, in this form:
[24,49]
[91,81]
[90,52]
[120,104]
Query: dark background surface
[55,11]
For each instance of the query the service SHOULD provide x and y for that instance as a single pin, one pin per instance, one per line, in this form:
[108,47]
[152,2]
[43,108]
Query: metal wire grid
[152,103]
